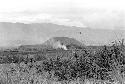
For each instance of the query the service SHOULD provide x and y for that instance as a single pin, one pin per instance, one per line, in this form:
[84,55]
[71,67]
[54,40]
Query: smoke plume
[59,45]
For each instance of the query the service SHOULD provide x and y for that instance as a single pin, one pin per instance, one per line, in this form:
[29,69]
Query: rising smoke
[58,44]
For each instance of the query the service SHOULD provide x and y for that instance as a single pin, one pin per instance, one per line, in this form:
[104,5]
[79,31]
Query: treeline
[21,57]
[107,63]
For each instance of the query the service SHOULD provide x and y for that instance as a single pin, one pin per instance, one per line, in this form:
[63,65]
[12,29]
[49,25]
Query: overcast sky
[84,13]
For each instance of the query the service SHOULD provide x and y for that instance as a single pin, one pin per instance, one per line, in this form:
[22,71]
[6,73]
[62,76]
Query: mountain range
[16,34]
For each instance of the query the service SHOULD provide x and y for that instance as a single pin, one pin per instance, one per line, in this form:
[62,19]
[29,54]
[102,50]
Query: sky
[109,14]
[96,14]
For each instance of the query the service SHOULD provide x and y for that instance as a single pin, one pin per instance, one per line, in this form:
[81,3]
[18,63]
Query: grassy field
[91,65]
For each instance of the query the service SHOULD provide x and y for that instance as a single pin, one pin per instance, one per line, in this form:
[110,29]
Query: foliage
[105,63]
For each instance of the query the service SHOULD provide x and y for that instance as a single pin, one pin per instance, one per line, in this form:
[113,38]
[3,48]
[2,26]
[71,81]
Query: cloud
[38,18]
[105,20]
[80,17]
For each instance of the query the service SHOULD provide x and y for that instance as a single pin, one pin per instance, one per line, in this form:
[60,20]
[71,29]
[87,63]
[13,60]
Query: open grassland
[100,65]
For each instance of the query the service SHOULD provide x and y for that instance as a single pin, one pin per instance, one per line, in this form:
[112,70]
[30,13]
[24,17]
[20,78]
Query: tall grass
[84,66]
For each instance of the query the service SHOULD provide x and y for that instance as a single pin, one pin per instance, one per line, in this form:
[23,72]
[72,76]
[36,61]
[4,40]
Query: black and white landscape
[62,42]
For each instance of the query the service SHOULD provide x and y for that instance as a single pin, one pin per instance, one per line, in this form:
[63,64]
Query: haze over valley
[92,22]
[16,34]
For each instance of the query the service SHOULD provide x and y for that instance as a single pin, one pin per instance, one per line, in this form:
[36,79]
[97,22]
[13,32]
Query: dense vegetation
[105,64]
